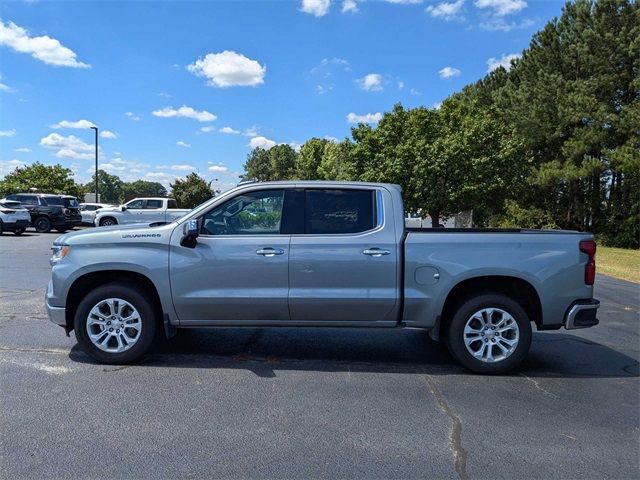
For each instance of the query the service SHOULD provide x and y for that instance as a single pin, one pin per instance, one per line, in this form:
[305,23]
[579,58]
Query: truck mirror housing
[190,233]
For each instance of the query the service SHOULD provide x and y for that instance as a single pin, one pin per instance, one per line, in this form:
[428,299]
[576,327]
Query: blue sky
[180,86]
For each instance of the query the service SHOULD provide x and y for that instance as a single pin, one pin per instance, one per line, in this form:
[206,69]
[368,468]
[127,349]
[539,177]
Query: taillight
[7,211]
[589,247]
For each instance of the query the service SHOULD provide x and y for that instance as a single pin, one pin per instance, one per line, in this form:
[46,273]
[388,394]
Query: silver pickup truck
[139,210]
[320,254]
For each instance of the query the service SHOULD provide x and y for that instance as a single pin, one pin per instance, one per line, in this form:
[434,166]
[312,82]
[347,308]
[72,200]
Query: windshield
[70,202]
[52,201]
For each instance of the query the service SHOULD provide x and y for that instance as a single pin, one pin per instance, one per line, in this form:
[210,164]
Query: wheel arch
[115,220]
[516,288]
[82,285]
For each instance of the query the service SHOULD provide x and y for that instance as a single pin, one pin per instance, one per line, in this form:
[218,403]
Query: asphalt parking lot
[310,403]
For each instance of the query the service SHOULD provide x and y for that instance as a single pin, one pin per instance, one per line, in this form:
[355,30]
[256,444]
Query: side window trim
[378,213]
[256,235]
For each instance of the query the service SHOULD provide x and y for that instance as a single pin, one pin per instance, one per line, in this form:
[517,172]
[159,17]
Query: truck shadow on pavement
[264,351]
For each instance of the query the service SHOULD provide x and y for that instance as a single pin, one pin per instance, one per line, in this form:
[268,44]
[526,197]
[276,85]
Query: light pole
[96,130]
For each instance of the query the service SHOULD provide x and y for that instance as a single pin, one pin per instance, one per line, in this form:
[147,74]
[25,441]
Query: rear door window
[339,211]
[172,203]
[153,204]
[53,201]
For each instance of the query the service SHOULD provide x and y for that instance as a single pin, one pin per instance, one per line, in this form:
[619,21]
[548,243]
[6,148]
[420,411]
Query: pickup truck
[320,254]
[139,210]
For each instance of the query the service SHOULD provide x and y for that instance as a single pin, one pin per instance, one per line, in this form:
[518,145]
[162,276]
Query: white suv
[13,217]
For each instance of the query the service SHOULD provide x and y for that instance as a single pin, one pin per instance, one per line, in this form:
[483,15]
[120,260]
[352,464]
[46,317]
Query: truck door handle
[376,252]
[270,252]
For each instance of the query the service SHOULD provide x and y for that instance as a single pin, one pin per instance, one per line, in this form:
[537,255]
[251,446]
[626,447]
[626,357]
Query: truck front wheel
[489,334]
[115,324]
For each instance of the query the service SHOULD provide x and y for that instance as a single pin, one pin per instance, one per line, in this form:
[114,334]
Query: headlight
[58,252]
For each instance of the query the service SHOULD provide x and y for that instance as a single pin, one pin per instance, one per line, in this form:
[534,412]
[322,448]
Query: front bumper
[582,314]
[57,315]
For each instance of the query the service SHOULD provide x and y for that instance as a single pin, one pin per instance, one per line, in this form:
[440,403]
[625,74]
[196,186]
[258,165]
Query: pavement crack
[35,350]
[455,433]
[538,386]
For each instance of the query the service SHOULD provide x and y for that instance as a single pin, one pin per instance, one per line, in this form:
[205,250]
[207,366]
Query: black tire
[42,225]
[61,230]
[108,221]
[18,231]
[149,323]
[1,228]
[456,339]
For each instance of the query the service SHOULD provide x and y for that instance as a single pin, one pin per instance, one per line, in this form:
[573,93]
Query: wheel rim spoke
[487,329]
[114,325]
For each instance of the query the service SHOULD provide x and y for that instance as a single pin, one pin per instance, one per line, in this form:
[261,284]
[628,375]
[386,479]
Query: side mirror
[190,233]
[123,208]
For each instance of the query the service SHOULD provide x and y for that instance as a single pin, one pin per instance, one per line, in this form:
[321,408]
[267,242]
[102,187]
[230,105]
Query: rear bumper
[582,314]
[18,224]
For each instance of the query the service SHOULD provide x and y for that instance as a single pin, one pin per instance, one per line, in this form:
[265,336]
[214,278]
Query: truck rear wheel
[489,334]
[115,324]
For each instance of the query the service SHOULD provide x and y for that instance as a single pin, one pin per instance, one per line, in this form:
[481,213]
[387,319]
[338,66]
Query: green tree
[258,166]
[309,159]
[142,188]
[109,187]
[43,178]
[283,162]
[192,191]
[277,163]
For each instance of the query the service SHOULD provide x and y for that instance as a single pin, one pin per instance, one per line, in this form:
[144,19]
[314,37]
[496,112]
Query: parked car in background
[320,254]
[13,217]
[50,211]
[140,210]
[88,211]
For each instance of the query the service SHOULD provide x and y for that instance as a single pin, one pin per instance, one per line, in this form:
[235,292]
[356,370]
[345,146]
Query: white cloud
[448,72]
[349,6]
[4,87]
[133,116]
[366,118]
[108,134]
[321,89]
[446,10]
[262,142]
[218,169]
[23,150]
[182,168]
[180,143]
[187,112]
[404,2]
[68,147]
[504,61]
[208,129]
[8,166]
[164,95]
[371,82]
[251,132]
[413,91]
[229,131]
[229,69]
[78,124]
[437,105]
[44,48]
[501,8]
[162,177]
[499,24]
[317,8]
[331,139]
[8,133]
